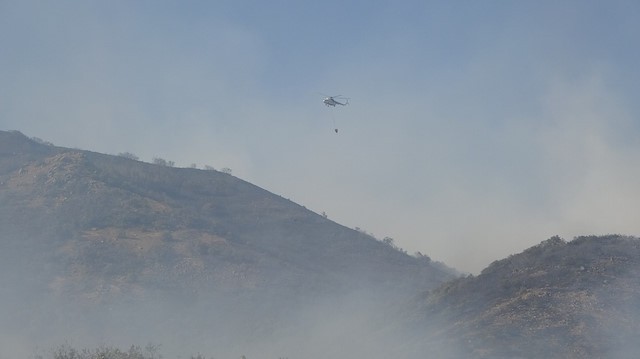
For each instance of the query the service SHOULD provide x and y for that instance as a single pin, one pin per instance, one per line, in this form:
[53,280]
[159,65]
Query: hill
[579,299]
[111,247]
[100,249]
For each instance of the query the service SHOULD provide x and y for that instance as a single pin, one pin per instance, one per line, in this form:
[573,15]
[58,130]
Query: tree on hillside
[128,155]
[163,162]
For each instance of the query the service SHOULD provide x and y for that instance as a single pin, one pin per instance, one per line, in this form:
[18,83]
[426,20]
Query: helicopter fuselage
[329,101]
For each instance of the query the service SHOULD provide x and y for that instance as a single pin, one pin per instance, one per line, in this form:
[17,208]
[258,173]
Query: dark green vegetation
[101,249]
[134,352]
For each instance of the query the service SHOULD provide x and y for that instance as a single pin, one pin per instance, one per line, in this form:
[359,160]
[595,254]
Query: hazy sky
[476,129]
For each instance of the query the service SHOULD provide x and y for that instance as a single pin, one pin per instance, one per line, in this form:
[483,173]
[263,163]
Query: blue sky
[475,129]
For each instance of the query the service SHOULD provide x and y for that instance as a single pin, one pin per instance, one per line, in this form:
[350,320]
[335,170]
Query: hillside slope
[579,299]
[84,233]
[101,249]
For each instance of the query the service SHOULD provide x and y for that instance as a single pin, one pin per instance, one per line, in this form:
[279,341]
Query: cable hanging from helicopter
[332,101]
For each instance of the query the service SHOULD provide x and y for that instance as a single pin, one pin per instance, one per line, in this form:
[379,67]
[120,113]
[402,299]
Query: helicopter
[331,101]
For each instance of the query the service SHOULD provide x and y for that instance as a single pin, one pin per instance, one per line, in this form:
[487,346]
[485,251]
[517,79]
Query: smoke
[345,325]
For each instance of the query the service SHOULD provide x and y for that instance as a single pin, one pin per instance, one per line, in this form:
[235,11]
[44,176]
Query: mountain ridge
[557,299]
[98,247]
[102,231]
